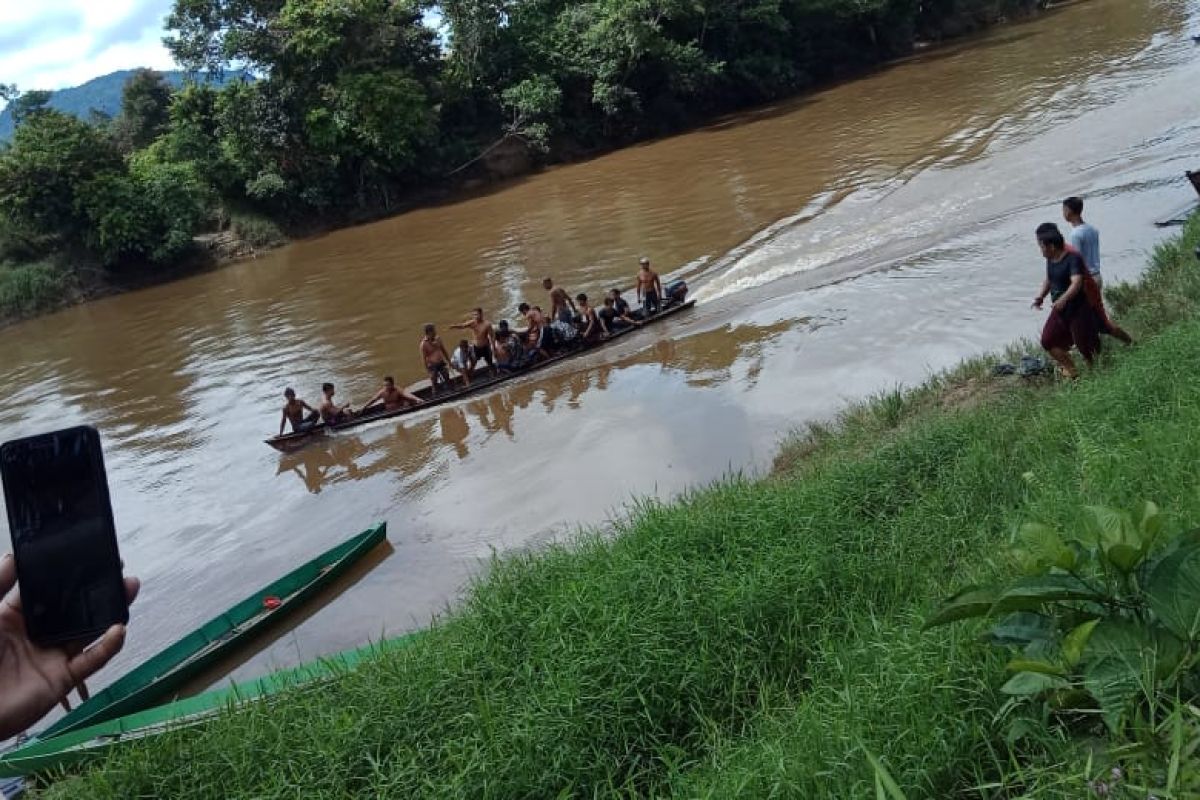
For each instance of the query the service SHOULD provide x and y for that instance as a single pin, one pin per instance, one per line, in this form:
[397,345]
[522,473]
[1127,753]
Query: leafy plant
[1107,621]
[30,288]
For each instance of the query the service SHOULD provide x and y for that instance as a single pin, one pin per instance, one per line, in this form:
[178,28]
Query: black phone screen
[64,540]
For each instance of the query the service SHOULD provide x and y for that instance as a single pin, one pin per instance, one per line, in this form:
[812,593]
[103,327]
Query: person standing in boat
[562,309]
[331,413]
[392,397]
[485,340]
[436,360]
[649,289]
[591,327]
[1073,320]
[1085,240]
[293,412]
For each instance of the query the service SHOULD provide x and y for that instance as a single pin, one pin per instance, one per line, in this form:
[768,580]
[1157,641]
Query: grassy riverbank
[753,638]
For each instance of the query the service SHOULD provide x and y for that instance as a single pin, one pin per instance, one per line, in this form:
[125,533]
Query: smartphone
[63,537]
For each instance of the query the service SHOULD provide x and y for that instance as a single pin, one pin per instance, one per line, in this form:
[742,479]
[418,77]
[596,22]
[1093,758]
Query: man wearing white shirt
[1085,240]
[1083,237]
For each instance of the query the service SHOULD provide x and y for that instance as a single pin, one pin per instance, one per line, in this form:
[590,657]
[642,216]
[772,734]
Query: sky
[55,44]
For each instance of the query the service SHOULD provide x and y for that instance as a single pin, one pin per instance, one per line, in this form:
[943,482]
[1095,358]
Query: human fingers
[132,587]
[8,574]
[87,663]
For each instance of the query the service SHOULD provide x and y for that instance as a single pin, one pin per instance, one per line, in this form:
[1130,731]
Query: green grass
[256,231]
[31,288]
[754,639]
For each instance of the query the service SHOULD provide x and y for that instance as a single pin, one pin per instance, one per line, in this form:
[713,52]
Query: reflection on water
[413,444]
[840,243]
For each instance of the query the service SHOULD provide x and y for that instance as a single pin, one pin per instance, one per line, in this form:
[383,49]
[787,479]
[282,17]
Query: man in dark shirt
[1072,319]
[613,319]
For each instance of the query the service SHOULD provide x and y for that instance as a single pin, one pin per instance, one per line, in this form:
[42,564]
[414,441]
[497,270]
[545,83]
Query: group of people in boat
[1074,285]
[570,323]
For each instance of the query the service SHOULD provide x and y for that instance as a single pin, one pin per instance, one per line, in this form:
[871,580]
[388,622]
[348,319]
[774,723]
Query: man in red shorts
[1073,320]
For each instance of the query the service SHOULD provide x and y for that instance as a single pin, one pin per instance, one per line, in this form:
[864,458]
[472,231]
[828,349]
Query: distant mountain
[102,94]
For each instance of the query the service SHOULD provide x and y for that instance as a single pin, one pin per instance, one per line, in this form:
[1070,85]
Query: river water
[840,244]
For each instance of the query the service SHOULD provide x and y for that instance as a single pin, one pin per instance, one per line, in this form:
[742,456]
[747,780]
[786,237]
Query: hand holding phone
[34,679]
[66,560]
[63,536]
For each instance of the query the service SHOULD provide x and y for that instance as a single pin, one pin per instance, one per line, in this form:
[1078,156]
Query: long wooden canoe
[43,755]
[290,442]
[168,670]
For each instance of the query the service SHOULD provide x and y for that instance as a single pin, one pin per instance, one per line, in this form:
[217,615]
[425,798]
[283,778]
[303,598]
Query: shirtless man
[535,332]
[393,398]
[436,360]
[561,306]
[591,326]
[649,289]
[293,412]
[485,340]
[331,413]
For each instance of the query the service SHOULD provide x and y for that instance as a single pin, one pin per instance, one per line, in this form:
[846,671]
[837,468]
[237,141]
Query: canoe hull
[86,744]
[174,666]
[290,442]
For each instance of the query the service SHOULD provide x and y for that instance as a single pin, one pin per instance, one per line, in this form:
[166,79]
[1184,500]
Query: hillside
[102,94]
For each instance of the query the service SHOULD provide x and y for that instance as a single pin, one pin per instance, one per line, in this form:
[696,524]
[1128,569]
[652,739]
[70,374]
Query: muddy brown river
[840,244]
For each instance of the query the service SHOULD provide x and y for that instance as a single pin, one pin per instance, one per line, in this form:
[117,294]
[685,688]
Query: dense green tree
[52,157]
[347,103]
[145,109]
[26,104]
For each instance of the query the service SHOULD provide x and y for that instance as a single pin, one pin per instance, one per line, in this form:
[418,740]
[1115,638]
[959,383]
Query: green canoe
[85,744]
[170,669]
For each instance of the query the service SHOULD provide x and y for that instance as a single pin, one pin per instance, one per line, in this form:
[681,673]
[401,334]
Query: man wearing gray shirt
[1083,237]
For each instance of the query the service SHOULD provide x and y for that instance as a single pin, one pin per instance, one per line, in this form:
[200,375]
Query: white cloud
[55,44]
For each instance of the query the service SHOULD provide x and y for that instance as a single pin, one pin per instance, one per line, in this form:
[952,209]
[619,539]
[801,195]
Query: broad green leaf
[1173,590]
[974,601]
[1118,661]
[1045,548]
[1124,557]
[1021,629]
[1076,640]
[1040,667]
[1030,594]
[1031,684]
[1112,526]
[1169,653]
[1182,540]
[1150,525]
[1071,700]
[1020,728]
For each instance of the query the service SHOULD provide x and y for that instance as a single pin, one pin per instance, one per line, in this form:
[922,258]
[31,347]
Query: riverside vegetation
[359,107]
[768,638]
